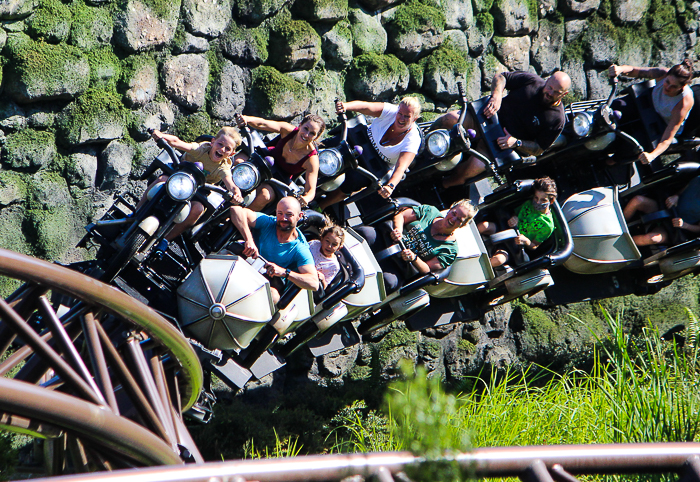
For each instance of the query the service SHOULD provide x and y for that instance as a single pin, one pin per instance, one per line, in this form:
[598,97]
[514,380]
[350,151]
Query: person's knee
[275,295]
[486,227]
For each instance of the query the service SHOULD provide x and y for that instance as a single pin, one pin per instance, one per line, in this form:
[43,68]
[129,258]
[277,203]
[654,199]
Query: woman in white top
[395,138]
[672,97]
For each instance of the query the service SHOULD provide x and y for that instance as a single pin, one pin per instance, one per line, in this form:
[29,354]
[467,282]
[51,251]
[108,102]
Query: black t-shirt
[524,113]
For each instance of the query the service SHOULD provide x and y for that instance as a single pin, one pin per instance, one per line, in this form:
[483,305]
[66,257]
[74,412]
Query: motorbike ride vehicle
[605,261]
[127,237]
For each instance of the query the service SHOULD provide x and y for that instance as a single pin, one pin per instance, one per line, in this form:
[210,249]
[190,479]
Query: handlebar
[163,144]
[462,101]
[343,119]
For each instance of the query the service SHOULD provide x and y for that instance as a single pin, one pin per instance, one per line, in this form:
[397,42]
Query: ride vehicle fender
[471,268]
[531,283]
[373,291]
[182,215]
[155,190]
[602,242]
[328,318]
[224,303]
[679,264]
[409,302]
[150,225]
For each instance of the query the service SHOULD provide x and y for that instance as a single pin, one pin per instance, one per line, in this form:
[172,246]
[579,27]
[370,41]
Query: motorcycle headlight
[438,143]
[181,186]
[330,162]
[582,123]
[245,176]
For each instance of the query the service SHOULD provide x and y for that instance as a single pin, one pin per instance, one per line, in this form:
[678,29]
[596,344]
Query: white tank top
[664,104]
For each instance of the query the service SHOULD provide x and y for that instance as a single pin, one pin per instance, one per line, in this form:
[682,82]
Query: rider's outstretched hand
[240,121]
[339,107]
[250,250]
[156,134]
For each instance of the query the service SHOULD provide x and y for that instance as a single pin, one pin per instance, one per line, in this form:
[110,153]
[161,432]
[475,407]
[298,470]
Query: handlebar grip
[460,89]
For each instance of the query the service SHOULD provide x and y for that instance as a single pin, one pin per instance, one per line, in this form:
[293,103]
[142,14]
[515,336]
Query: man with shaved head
[280,242]
[532,116]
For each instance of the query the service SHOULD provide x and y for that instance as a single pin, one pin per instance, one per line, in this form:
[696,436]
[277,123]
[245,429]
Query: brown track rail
[91,371]
[536,464]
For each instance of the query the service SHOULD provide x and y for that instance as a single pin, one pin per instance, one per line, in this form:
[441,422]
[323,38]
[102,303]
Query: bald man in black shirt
[532,116]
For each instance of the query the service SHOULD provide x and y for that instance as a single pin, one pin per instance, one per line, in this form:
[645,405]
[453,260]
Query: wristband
[286,273]
[391,185]
[518,143]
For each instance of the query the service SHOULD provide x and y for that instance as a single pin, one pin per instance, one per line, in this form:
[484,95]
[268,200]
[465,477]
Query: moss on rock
[246,45]
[41,71]
[51,21]
[51,231]
[105,68]
[92,26]
[13,188]
[377,76]
[416,16]
[96,116]
[415,71]
[297,45]
[189,127]
[29,148]
[276,95]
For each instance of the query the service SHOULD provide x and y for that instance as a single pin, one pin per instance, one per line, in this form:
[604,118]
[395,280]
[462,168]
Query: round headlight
[181,186]
[245,176]
[438,143]
[583,122]
[330,162]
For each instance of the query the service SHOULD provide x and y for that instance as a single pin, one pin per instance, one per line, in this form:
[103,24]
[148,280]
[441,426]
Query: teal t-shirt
[533,224]
[417,237]
[290,255]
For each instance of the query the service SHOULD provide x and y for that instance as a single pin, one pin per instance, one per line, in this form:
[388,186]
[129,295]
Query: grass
[641,389]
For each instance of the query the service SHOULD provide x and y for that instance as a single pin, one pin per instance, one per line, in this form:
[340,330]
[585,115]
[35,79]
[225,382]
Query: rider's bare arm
[530,148]
[425,267]
[677,116]
[244,219]
[637,72]
[306,278]
[404,216]
[498,84]
[175,141]
[405,160]
[266,125]
[373,109]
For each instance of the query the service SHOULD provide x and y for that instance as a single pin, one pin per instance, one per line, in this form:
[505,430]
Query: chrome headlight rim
[582,124]
[181,186]
[438,142]
[245,176]
[330,162]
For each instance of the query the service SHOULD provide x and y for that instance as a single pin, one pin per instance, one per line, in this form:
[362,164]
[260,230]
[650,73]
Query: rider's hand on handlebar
[236,196]
[240,121]
[250,250]
[386,191]
[677,222]
[671,201]
[274,271]
[614,70]
[408,255]
[513,222]
[492,106]
[522,240]
[395,235]
[156,134]
[339,107]
[646,157]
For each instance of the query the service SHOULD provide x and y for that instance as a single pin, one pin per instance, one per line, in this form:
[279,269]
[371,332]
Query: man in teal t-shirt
[280,242]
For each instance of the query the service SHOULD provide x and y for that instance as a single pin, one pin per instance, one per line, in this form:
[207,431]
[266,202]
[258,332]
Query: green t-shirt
[533,224]
[417,237]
